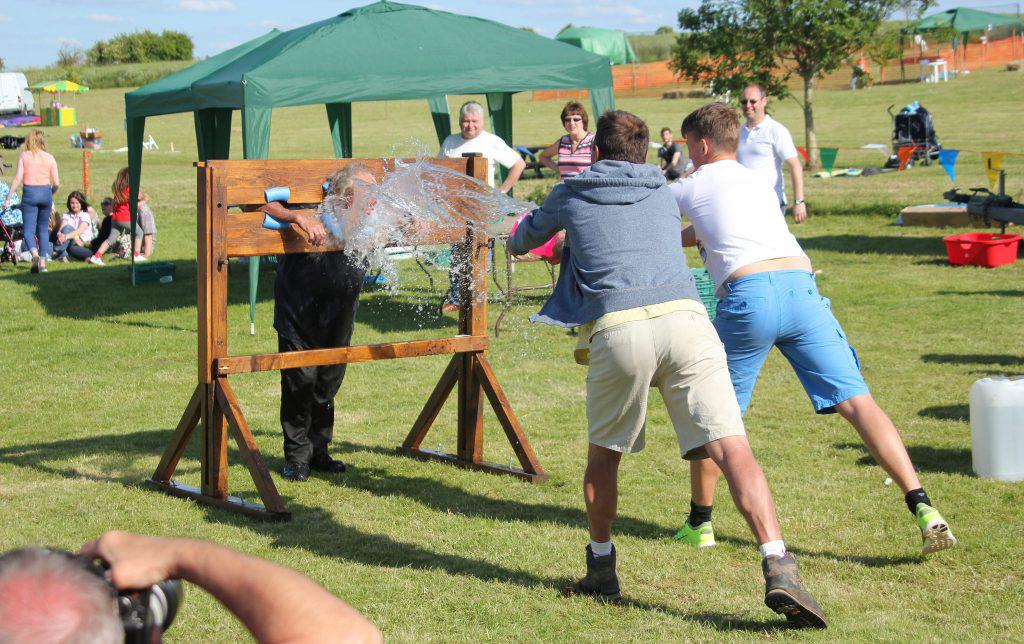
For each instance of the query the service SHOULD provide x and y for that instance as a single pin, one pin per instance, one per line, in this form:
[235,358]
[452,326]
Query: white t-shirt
[736,218]
[487,144]
[763,148]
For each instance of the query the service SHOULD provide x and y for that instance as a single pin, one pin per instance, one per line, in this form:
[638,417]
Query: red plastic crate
[981,249]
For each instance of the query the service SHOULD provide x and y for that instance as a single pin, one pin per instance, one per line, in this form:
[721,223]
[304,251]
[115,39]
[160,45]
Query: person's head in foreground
[575,119]
[621,136]
[107,205]
[471,119]
[712,133]
[50,596]
[753,101]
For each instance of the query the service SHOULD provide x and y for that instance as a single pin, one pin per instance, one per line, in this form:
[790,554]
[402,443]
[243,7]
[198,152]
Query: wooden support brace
[187,424]
[432,408]
[250,451]
[507,418]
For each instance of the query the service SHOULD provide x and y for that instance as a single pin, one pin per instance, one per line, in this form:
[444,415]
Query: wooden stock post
[213,404]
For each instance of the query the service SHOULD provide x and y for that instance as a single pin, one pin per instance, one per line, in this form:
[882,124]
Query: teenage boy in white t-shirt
[765,144]
[472,138]
[769,298]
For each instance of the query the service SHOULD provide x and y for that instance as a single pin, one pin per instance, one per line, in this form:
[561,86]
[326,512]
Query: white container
[997,428]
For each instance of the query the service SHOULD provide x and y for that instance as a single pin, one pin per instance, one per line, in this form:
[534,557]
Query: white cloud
[69,42]
[104,17]
[4,18]
[206,6]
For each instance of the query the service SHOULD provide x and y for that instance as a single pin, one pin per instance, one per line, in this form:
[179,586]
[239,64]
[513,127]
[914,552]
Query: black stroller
[912,126]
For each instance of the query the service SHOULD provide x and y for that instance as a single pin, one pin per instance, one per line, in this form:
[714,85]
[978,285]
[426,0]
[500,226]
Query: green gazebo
[961,22]
[612,43]
[383,51]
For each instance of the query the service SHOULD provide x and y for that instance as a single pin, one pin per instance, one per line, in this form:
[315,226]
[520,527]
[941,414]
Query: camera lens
[164,599]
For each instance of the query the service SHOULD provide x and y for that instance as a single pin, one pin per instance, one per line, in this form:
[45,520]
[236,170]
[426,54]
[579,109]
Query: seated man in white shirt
[765,144]
[769,298]
[472,138]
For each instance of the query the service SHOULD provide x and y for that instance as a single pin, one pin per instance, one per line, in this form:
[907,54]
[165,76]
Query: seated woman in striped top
[573,152]
[573,149]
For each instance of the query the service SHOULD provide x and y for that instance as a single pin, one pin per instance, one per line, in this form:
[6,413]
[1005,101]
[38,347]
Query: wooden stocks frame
[215,408]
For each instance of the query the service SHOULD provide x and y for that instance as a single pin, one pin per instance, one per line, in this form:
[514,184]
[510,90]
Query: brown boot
[785,594]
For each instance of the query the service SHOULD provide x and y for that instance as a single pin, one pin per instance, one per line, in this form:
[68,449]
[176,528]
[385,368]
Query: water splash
[417,195]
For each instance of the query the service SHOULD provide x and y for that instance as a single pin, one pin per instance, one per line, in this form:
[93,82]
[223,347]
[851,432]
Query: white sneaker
[95,260]
[140,258]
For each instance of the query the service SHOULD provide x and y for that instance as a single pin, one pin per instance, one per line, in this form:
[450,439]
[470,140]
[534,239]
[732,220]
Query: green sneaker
[935,533]
[703,536]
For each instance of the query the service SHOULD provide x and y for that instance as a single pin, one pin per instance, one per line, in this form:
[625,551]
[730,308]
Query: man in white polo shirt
[765,144]
[472,138]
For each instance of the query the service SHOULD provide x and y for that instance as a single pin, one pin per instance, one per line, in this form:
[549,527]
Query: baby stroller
[912,126]
[11,226]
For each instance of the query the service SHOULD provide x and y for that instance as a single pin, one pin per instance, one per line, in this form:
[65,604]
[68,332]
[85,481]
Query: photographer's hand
[274,603]
[135,561]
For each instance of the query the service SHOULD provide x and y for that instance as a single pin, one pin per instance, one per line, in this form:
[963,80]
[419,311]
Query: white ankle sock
[773,549]
[601,548]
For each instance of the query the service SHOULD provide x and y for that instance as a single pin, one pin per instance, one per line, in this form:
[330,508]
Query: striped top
[572,163]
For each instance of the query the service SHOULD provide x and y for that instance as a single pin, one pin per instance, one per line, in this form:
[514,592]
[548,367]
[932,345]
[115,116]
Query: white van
[14,94]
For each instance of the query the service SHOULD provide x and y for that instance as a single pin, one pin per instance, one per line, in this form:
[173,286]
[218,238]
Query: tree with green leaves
[735,43]
[884,46]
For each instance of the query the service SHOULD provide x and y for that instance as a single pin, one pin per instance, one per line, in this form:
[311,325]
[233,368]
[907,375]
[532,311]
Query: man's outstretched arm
[274,603]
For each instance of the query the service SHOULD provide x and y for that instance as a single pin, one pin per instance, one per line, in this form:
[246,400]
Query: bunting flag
[828,158]
[904,154]
[803,153]
[993,164]
[947,159]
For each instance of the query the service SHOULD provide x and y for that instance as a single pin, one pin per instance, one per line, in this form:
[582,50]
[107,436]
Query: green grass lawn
[97,374]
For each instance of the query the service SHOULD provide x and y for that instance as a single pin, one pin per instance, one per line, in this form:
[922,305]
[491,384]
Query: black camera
[146,614]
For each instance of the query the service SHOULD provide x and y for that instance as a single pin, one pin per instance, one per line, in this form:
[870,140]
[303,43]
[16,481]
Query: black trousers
[307,400]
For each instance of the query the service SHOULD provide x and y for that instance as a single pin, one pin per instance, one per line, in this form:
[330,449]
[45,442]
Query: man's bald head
[47,596]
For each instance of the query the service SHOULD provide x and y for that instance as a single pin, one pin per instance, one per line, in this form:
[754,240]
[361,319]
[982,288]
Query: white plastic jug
[997,428]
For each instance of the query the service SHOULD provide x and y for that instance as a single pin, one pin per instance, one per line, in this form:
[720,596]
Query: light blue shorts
[784,309]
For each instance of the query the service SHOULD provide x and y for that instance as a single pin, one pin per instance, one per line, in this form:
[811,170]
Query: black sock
[914,497]
[698,514]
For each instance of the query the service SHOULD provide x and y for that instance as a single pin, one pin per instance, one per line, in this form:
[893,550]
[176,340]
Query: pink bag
[546,251]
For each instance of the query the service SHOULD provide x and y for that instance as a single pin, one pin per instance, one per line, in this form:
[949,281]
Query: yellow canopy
[55,87]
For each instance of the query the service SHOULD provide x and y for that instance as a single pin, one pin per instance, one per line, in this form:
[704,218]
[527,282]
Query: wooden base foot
[492,468]
[233,503]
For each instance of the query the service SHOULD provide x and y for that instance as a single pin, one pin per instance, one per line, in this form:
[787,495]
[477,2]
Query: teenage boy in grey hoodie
[624,280]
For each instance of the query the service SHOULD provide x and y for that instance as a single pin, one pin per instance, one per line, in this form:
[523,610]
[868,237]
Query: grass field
[97,374]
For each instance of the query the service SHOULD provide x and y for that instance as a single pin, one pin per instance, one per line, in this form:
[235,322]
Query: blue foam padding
[277,194]
[273,224]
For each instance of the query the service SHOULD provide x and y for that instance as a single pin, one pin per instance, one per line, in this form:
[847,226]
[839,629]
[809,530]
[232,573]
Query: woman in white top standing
[37,172]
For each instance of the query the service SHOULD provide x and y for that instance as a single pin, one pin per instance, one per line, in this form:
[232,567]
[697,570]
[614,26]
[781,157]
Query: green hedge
[141,47]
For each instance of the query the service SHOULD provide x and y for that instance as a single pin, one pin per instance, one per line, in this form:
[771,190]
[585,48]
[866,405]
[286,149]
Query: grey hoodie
[623,243]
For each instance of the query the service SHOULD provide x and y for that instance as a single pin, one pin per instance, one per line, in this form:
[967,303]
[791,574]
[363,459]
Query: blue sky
[31,31]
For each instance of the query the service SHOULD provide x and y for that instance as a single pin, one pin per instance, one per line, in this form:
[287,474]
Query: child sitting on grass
[624,280]
[120,220]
